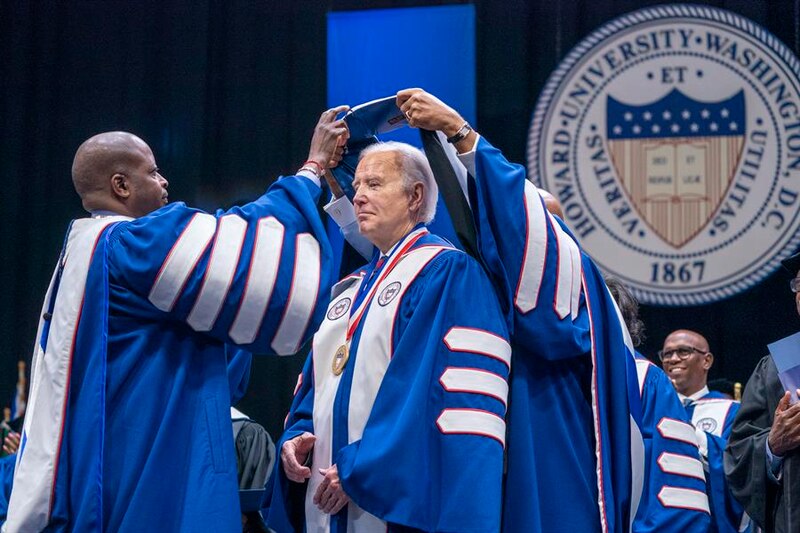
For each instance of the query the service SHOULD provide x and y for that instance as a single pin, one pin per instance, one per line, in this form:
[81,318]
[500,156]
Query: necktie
[378,266]
[362,291]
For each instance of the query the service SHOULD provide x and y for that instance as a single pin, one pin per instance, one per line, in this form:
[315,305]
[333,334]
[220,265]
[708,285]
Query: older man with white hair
[402,400]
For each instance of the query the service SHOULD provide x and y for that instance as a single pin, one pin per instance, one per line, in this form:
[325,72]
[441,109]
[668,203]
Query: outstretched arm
[255,276]
[534,262]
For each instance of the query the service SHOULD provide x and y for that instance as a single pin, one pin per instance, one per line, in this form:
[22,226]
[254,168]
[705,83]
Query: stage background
[227,94]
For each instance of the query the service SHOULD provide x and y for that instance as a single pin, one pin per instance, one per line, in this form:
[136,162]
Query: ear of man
[120,186]
[415,197]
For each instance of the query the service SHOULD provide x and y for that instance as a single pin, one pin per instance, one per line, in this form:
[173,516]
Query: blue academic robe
[674,495]
[714,414]
[239,364]
[415,423]
[6,477]
[142,436]
[574,395]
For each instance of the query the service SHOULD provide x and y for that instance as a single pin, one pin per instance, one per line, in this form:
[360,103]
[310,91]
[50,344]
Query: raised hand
[330,136]
[423,110]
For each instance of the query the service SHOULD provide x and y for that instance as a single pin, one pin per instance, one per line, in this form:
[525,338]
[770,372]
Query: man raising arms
[128,425]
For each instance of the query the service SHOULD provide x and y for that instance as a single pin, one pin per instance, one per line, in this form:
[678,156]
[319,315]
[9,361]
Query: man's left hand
[11,443]
[330,496]
[423,110]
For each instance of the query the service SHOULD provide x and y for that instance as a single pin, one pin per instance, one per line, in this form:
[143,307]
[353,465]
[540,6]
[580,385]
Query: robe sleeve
[745,459]
[532,259]
[287,498]
[726,512]
[255,276]
[559,307]
[239,363]
[7,464]
[431,454]
[674,493]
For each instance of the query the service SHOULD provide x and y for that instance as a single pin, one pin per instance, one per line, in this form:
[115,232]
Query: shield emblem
[676,158]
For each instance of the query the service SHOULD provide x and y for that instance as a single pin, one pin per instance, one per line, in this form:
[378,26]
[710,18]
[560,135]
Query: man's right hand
[423,110]
[785,433]
[329,139]
[294,453]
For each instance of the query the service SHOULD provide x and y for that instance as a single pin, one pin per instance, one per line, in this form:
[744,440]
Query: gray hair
[415,168]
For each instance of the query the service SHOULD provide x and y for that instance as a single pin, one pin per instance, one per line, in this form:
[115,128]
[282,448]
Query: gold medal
[340,359]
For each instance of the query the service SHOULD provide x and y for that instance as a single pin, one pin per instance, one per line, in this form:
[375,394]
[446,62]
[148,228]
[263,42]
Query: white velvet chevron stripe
[677,430]
[478,341]
[683,498]
[302,296]
[682,465]
[475,380]
[261,278]
[472,422]
[219,274]
[530,277]
[568,286]
[181,260]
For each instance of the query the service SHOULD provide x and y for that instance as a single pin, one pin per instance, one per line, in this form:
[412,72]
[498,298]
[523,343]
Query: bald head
[551,203]
[102,156]
[116,171]
[696,339]
[687,359]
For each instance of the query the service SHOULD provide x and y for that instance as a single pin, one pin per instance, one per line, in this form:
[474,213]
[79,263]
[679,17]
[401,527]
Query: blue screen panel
[375,53]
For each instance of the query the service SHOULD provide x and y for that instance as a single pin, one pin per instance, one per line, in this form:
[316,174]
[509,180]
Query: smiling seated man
[686,358]
[402,400]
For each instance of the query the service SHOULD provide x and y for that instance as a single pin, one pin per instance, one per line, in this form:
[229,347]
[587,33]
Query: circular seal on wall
[671,137]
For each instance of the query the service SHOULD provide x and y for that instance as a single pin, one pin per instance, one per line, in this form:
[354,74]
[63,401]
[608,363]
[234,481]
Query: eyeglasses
[794,284]
[681,351]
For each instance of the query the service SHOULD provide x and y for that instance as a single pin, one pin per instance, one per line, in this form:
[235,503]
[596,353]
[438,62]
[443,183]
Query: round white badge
[671,136]
[388,294]
[707,424]
[338,309]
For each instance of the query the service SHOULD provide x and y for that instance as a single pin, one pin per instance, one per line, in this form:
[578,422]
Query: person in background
[762,463]
[686,358]
[672,459]
[725,387]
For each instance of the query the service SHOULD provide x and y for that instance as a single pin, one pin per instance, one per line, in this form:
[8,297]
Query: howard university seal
[338,309]
[707,424]
[388,294]
[671,136]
